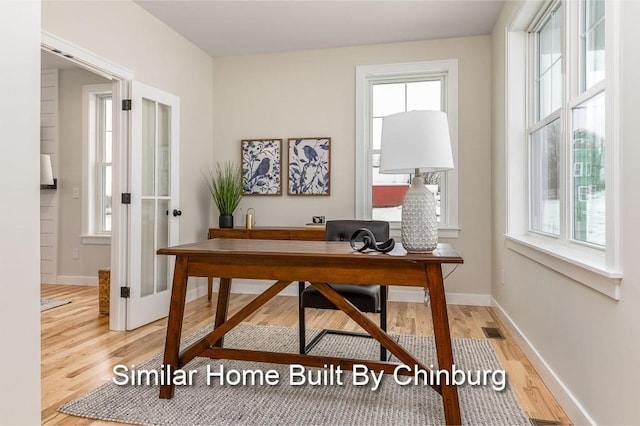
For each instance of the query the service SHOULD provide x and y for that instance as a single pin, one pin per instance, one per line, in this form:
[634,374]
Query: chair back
[342,230]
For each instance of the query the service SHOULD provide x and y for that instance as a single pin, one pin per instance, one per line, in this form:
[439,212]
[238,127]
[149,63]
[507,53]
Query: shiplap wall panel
[48,106]
[49,198]
[49,92]
[47,253]
[47,147]
[48,240]
[49,78]
[48,120]
[47,133]
[48,227]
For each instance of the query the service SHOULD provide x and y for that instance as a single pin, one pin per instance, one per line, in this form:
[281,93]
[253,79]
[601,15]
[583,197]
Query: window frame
[597,268]
[92,164]
[368,75]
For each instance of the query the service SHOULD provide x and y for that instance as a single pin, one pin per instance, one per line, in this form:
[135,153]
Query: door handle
[177,212]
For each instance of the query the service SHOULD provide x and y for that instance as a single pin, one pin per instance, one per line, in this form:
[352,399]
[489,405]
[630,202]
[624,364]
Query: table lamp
[415,142]
[46,173]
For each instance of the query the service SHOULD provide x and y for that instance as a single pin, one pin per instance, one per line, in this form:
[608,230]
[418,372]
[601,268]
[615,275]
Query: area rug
[46,304]
[324,399]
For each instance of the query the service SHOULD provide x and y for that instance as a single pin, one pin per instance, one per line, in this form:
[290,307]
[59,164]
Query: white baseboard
[396,294]
[416,295]
[77,280]
[566,399]
[197,288]
[469,299]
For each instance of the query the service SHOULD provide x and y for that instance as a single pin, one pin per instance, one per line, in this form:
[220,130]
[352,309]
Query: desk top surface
[444,253]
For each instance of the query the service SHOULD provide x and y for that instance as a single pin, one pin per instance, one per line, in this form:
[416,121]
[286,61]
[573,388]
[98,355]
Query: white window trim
[600,270]
[89,236]
[365,75]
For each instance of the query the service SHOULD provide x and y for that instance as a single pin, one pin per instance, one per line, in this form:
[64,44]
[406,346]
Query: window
[388,89]
[567,217]
[390,97]
[568,117]
[97,164]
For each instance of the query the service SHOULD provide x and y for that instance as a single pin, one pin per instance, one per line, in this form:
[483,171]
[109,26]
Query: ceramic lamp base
[419,220]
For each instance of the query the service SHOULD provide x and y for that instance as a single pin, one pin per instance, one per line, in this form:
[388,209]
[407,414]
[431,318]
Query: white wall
[591,342]
[92,256]
[19,220]
[312,93]
[130,37]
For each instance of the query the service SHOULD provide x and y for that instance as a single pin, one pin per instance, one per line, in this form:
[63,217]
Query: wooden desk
[264,233]
[318,262]
[269,233]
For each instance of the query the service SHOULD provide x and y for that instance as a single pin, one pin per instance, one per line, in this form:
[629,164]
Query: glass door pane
[156,158]
[164,151]
[148,254]
[148,147]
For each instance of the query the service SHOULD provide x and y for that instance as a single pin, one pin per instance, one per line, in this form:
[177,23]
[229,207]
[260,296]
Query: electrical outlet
[75,253]
[76,192]
[502,276]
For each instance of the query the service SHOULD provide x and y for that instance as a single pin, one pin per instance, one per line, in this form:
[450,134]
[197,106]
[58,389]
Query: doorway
[73,247]
[140,180]
[75,67]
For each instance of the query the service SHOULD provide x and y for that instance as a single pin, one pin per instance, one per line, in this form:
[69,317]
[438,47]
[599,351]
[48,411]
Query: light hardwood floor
[79,351]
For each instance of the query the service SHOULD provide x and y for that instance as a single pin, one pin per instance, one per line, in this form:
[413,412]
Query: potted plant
[225,185]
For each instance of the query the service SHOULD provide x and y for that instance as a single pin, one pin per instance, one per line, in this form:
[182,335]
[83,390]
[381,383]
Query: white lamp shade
[46,172]
[415,140]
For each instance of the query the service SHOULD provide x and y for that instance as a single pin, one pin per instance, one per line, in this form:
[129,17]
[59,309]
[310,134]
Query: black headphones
[368,241]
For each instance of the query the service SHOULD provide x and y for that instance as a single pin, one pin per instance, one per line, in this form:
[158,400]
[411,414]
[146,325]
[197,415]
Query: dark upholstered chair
[367,298]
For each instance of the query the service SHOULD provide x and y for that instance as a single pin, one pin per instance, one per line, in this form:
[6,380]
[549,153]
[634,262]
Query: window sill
[587,269]
[96,239]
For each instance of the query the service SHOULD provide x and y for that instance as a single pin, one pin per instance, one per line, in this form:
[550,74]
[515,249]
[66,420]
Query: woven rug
[208,402]
[46,304]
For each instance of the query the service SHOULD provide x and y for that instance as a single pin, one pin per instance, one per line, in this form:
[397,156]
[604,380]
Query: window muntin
[390,97]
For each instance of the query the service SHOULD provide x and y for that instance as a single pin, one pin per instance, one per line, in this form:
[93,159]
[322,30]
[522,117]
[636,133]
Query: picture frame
[261,161]
[309,171]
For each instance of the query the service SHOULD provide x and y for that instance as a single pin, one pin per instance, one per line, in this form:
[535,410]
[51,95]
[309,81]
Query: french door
[154,210]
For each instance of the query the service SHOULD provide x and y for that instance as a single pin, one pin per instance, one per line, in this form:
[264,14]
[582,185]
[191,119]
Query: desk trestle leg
[443,341]
[223,306]
[174,325]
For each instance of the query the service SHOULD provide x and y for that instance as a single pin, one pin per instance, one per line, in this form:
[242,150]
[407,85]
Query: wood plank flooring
[79,351]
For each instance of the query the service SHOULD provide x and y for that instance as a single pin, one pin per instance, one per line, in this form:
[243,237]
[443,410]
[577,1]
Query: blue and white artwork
[261,167]
[309,166]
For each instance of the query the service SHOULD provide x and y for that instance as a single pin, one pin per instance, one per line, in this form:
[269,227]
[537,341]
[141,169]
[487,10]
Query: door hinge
[125,292]
[126,198]
[126,104]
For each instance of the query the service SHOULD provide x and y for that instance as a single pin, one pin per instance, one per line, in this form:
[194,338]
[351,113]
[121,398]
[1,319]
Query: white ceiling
[241,27]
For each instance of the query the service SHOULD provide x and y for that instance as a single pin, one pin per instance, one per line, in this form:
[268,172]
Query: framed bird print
[261,166]
[309,166]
